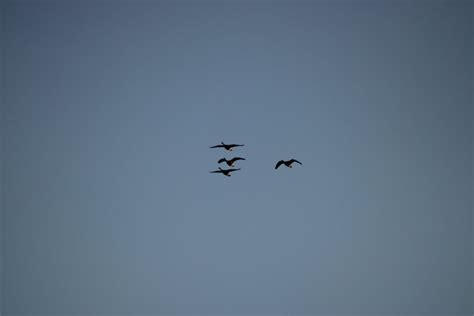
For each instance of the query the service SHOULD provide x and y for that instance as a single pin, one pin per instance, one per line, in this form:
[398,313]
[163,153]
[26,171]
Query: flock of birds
[231,162]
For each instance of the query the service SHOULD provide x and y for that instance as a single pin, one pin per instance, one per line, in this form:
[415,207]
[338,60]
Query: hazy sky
[109,111]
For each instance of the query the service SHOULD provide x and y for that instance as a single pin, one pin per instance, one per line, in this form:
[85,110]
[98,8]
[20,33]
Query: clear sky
[109,109]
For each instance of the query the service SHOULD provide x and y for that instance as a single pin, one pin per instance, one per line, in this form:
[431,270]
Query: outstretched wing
[294,160]
[215,171]
[217,146]
[237,158]
[230,170]
[221,160]
[279,164]
[235,145]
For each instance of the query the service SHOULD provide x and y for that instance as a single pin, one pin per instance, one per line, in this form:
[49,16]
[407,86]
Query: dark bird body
[287,163]
[230,162]
[225,172]
[226,146]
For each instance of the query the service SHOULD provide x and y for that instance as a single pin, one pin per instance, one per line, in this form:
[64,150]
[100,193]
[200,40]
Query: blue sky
[109,112]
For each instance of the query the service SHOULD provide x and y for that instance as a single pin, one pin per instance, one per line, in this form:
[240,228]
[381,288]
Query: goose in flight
[225,172]
[226,146]
[230,162]
[287,163]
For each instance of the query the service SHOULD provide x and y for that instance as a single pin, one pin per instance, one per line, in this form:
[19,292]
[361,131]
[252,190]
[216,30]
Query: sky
[108,112]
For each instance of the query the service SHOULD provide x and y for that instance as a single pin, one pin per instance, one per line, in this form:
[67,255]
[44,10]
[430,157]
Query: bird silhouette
[287,163]
[230,162]
[226,146]
[225,172]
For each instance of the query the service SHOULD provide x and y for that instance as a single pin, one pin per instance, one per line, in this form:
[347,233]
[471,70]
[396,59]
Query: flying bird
[226,146]
[287,163]
[230,162]
[225,172]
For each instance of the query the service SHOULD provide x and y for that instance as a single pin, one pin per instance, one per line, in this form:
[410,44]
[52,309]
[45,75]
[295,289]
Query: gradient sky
[109,111]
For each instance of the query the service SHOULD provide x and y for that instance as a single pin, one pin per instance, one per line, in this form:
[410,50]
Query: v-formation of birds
[231,162]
